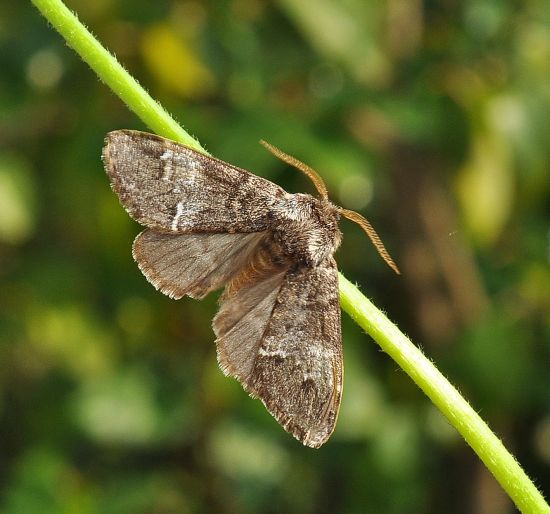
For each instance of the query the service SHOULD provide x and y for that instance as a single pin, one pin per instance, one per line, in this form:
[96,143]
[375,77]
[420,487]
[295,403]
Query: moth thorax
[307,228]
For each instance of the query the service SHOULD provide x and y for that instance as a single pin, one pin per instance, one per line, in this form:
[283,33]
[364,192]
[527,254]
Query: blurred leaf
[396,449]
[119,408]
[69,336]
[485,187]
[236,450]
[45,483]
[363,410]
[497,360]
[340,30]
[174,64]
[138,492]
[17,200]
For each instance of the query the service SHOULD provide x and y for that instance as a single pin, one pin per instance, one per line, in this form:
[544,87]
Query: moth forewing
[298,373]
[171,188]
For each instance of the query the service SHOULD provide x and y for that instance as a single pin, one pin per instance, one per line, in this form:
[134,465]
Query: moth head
[323,193]
[306,228]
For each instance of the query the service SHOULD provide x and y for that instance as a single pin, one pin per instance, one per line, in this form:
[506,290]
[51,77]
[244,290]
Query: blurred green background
[433,119]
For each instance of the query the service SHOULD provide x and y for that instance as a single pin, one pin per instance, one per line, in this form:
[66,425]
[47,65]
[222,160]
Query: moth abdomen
[267,260]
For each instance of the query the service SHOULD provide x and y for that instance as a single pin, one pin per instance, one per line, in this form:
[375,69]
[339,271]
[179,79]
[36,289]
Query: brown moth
[210,224]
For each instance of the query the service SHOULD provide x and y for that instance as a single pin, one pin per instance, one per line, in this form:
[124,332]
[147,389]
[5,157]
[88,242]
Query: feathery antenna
[369,230]
[304,168]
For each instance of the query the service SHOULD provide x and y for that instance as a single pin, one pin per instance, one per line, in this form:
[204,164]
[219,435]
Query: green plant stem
[457,410]
[447,399]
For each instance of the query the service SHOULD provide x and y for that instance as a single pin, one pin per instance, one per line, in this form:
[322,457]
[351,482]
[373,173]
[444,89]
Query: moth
[210,224]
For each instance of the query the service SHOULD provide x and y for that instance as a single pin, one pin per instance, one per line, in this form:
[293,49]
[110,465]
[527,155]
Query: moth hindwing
[210,225]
